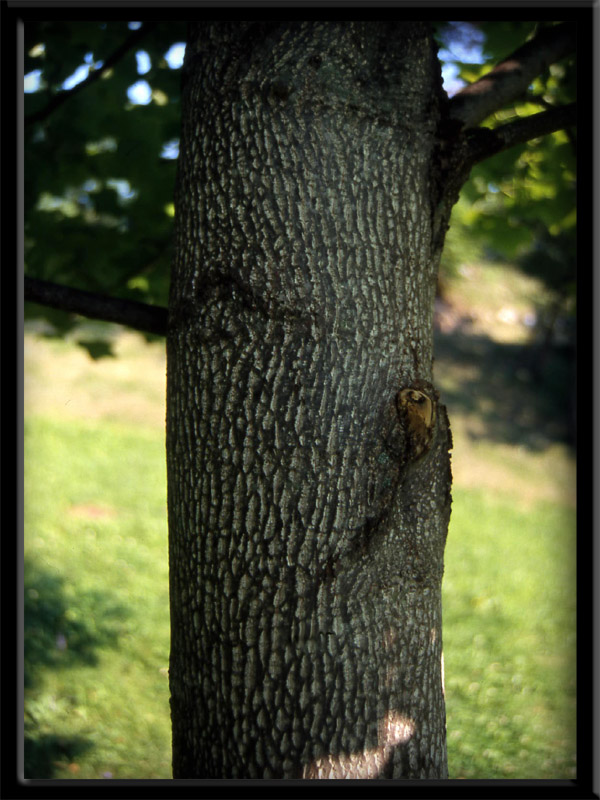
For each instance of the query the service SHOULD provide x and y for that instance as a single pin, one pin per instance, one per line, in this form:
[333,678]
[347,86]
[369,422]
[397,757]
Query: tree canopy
[101,157]
[519,203]
[102,103]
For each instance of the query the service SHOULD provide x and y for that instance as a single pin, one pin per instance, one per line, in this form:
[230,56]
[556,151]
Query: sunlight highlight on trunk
[395,730]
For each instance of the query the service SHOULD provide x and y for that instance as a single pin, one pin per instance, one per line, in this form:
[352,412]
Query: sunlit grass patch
[509,639]
[61,379]
[96,601]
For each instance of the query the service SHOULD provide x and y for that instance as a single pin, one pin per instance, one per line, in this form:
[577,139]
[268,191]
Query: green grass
[96,572]
[509,585]
[96,601]
[509,639]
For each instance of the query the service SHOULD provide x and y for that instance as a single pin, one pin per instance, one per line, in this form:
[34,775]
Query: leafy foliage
[519,205]
[98,184]
[100,168]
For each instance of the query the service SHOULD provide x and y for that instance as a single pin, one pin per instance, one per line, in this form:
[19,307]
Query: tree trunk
[308,465]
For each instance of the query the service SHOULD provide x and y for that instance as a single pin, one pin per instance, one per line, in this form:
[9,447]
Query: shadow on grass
[44,753]
[61,629]
[509,399]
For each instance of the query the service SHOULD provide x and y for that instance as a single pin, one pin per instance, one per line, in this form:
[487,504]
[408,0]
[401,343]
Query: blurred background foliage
[520,205]
[100,168]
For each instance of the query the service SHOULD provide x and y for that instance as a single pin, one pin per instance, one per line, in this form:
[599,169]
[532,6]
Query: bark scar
[416,406]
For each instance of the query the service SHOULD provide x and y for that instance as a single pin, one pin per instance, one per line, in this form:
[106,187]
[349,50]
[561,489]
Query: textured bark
[307,528]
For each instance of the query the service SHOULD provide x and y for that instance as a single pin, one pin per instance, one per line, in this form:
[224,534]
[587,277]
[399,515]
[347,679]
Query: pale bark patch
[394,730]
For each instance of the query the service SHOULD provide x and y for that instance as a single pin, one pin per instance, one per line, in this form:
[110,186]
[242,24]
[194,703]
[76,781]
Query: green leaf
[97,348]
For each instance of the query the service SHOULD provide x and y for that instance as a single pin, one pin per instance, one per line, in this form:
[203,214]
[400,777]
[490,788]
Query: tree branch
[483,142]
[511,77]
[60,98]
[537,99]
[140,316]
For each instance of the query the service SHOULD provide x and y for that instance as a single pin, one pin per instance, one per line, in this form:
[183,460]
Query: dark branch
[118,54]
[483,142]
[511,78]
[539,100]
[140,316]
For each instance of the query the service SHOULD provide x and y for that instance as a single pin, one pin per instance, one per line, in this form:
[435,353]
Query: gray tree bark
[308,464]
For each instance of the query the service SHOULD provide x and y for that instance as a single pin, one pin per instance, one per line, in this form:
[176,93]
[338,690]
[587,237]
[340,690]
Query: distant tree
[307,448]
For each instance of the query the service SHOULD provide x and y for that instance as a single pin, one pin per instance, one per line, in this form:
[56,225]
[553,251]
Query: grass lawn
[96,564]
[96,601]
[96,575]
[509,583]
[509,639]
